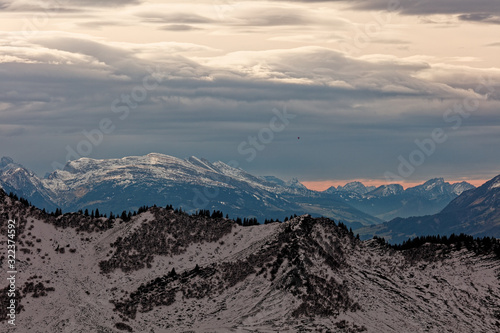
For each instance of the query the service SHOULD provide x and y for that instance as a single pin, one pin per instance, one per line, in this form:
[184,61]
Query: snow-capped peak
[6,161]
[459,188]
[387,190]
[495,182]
[430,184]
[294,183]
[356,187]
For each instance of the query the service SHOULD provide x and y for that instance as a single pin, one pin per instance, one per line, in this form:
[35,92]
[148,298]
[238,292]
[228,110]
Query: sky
[324,91]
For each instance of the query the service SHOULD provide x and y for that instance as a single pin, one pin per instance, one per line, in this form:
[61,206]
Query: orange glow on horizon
[325,184]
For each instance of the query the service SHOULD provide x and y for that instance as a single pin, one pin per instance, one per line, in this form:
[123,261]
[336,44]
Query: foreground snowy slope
[164,271]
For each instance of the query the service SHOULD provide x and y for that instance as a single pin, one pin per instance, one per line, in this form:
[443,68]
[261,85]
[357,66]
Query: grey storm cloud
[481,17]
[99,24]
[270,17]
[425,7]
[179,27]
[348,110]
[273,17]
[180,18]
[100,3]
[483,11]
[62,5]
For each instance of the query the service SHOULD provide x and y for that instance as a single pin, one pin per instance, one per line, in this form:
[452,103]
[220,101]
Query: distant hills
[475,212]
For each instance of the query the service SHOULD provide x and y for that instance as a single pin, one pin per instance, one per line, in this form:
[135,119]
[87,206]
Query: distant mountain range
[166,271]
[475,212]
[390,201]
[131,182]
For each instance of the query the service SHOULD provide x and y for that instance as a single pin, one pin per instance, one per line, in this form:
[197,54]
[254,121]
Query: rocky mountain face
[131,182]
[352,187]
[475,212]
[390,201]
[165,271]
[17,179]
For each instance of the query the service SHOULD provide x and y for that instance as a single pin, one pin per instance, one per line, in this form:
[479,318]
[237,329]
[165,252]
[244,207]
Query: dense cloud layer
[351,114]
[355,109]
[479,10]
[422,7]
[37,5]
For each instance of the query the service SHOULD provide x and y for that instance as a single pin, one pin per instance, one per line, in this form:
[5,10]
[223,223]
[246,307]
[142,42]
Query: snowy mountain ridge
[149,167]
[429,188]
[474,212]
[390,201]
[193,183]
[196,183]
[164,271]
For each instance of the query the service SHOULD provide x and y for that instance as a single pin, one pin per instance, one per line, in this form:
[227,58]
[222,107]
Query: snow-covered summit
[437,187]
[356,187]
[459,188]
[294,183]
[386,190]
[5,161]
[432,183]
[7,164]
[193,183]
